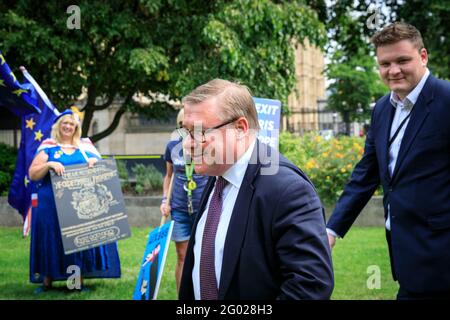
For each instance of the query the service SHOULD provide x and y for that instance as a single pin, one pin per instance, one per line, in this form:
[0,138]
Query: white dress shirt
[234,176]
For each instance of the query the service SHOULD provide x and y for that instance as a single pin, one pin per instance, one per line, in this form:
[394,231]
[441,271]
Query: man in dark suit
[260,232]
[408,152]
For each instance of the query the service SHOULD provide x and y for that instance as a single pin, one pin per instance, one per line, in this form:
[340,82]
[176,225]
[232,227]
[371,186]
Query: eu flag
[37,114]
[20,99]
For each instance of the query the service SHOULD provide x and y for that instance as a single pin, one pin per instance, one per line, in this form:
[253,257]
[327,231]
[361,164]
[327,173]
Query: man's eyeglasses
[199,136]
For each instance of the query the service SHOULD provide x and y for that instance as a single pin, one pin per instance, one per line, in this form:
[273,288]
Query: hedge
[328,163]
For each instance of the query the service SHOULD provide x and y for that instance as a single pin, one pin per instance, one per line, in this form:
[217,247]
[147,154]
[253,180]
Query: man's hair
[234,100]
[76,135]
[396,32]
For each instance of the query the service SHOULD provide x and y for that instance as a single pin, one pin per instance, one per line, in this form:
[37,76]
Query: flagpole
[39,90]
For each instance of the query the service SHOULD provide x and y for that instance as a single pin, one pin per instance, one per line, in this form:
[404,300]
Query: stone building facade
[309,90]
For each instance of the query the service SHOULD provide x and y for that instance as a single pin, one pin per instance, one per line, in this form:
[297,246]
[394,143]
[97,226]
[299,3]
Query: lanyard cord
[189,168]
[398,130]
[190,184]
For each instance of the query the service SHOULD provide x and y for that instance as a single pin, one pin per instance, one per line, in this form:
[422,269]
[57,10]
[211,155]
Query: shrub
[328,163]
[7,164]
[123,176]
[148,178]
[122,170]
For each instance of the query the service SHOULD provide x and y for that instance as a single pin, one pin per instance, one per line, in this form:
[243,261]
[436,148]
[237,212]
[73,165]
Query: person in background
[187,188]
[48,262]
[408,152]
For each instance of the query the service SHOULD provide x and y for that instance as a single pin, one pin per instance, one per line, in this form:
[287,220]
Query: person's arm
[301,243]
[165,205]
[364,181]
[40,167]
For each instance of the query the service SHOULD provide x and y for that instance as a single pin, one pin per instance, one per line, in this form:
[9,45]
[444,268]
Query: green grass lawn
[361,248]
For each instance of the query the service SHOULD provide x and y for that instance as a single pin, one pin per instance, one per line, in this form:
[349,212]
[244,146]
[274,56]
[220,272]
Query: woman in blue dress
[48,262]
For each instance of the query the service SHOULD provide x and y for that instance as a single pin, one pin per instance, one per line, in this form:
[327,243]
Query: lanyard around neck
[391,140]
[189,168]
[189,172]
[190,184]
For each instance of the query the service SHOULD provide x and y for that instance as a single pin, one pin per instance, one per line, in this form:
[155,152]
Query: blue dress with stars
[47,258]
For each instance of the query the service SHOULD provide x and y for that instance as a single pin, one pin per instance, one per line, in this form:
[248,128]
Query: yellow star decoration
[38,135]
[13,76]
[30,123]
[2,83]
[19,92]
[2,59]
[26,181]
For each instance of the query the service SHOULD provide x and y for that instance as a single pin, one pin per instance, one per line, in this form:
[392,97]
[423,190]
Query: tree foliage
[7,163]
[168,47]
[356,87]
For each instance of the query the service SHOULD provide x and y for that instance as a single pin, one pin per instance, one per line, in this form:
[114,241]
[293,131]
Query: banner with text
[269,112]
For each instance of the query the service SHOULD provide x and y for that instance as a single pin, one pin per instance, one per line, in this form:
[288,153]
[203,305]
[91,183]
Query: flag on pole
[29,102]
[20,99]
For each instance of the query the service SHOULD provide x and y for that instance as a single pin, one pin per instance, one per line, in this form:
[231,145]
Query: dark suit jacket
[418,191]
[276,245]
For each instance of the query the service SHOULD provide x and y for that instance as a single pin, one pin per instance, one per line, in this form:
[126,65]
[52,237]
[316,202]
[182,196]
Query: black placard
[90,206]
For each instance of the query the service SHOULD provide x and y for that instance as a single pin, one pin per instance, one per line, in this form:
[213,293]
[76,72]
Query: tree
[168,47]
[356,85]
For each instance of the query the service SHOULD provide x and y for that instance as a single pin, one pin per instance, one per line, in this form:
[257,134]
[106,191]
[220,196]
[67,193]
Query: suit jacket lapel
[238,223]
[418,115]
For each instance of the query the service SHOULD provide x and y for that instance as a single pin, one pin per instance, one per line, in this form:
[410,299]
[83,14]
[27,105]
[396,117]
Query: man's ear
[242,125]
[424,56]
[243,128]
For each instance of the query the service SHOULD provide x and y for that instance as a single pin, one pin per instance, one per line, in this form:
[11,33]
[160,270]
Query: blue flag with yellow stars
[37,114]
[20,99]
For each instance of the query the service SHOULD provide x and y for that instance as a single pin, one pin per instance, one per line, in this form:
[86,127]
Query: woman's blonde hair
[180,117]
[76,135]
